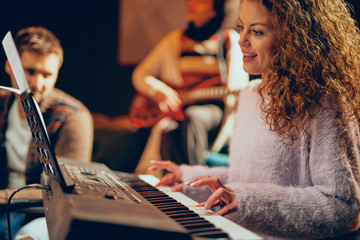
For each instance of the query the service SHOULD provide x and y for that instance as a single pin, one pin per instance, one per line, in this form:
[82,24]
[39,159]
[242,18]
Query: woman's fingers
[215,199]
[167,165]
[227,208]
[222,196]
[212,182]
[196,179]
[177,187]
[166,180]
[174,172]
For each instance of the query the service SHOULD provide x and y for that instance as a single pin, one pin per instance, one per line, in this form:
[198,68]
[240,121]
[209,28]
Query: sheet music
[14,90]
[15,63]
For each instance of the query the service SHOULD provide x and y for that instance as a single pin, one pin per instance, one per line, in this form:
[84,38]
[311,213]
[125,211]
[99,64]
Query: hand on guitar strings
[221,196]
[167,99]
[172,177]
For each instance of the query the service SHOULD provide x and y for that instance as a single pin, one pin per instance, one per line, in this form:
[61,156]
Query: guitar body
[145,113]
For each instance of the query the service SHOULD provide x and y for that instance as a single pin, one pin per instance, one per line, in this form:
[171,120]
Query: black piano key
[190,219]
[144,188]
[137,184]
[176,208]
[147,192]
[164,200]
[155,197]
[151,197]
[215,235]
[198,226]
[174,212]
[168,205]
[202,231]
[150,193]
[182,215]
[165,204]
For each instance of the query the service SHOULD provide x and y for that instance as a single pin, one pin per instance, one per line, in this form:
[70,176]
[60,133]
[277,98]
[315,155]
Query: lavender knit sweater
[305,191]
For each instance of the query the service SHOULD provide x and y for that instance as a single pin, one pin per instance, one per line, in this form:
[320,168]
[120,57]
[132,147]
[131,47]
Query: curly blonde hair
[316,59]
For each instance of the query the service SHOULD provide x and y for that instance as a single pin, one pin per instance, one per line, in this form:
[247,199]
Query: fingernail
[192,184]
[206,206]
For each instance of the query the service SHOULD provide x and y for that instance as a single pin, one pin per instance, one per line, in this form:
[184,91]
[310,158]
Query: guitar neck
[203,94]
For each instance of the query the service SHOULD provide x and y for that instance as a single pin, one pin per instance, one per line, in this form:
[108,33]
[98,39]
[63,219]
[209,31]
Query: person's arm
[327,208]
[146,76]
[75,140]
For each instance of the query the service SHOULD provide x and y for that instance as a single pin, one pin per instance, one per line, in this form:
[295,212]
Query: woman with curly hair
[295,153]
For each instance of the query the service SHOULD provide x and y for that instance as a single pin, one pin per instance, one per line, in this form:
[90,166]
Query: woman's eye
[240,26]
[258,33]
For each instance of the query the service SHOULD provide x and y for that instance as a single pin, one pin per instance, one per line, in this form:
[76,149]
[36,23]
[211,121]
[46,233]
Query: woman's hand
[222,196]
[174,175]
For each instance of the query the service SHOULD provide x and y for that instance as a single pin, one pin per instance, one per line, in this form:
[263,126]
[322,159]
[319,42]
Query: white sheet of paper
[14,60]
[18,71]
[14,90]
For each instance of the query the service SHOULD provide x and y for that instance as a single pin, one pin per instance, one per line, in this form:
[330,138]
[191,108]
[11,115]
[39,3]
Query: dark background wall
[88,31]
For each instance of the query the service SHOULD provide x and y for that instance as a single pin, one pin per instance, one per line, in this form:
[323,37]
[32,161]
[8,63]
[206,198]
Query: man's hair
[38,40]
[219,7]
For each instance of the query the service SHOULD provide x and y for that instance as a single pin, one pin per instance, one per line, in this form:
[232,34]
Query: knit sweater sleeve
[326,205]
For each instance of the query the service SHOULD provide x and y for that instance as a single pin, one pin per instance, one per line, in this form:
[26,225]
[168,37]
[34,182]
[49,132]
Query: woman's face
[200,12]
[256,36]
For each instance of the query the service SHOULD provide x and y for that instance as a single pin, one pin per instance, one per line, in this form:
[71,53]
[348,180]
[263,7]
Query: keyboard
[234,231]
[196,226]
[99,184]
[105,204]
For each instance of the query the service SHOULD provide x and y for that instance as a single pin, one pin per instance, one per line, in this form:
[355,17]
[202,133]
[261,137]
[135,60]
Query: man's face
[41,72]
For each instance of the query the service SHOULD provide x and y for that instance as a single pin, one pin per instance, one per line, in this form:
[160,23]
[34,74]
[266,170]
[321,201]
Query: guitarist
[186,59]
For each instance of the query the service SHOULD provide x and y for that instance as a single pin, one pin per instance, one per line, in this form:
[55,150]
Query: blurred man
[68,121]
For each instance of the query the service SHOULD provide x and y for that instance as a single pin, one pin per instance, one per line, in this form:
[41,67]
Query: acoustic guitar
[144,112]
